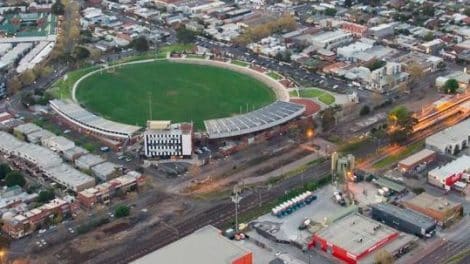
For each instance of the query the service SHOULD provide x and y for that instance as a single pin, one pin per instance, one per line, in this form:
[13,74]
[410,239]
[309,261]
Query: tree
[429,36]
[58,8]
[27,77]
[81,53]
[347,3]
[451,86]
[140,44]
[15,178]
[330,12]
[328,117]
[283,56]
[184,35]
[365,110]
[14,85]
[466,11]
[400,124]
[428,10]
[383,257]
[121,211]
[415,70]
[46,195]
[4,170]
[27,99]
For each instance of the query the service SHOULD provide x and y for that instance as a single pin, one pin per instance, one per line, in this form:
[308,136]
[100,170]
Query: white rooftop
[205,245]
[452,135]
[459,165]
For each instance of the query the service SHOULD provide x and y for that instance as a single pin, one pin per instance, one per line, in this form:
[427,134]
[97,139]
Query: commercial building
[102,193]
[450,140]
[87,161]
[447,175]
[22,224]
[39,160]
[58,143]
[356,29]
[382,31]
[11,196]
[32,132]
[163,139]
[355,237]
[69,177]
[206,245]
[331,39]
[423,157]
[442,210]
[403,219]
[74,153]
[105,171]
[462,78]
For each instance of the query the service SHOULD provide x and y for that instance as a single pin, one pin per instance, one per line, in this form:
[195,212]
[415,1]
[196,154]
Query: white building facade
[165,140]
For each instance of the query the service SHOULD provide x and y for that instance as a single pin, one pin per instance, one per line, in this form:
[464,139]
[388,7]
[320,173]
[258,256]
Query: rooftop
[205,245]
[89,120]
[459,165]
[27,128]
[408,215]
[266,117]
[67,175]
[356,233]
[427,201]
[417,157]
[89,160]
[452,135]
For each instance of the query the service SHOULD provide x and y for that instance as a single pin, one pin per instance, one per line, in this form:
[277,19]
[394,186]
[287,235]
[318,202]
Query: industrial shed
[403,219]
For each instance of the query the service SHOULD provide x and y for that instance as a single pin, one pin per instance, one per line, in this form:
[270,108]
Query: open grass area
[205,92]
[294,93]
[240,63]
[322,96]
[175,48]
[408,150]
[62,88]
[274,75]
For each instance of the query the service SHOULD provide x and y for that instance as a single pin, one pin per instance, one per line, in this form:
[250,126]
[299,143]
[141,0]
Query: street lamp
[236,198]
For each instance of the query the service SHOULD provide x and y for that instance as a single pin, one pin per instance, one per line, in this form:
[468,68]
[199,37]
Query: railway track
[217,216]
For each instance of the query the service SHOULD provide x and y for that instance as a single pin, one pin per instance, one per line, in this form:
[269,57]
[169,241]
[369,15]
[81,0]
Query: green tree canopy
[15,178]
[4,170]
[140,44]
[46,195]
[401,123]
[58,8]
[451,86]
[184,35]
[121,211]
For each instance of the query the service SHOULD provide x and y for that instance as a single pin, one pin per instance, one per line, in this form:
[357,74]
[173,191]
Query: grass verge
[389,160]
[240,63]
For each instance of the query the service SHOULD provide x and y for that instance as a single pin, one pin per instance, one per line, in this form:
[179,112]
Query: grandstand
[269,116]
[35,56]
[94,124]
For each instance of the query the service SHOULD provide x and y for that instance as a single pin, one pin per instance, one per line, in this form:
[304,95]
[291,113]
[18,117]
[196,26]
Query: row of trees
[253,34]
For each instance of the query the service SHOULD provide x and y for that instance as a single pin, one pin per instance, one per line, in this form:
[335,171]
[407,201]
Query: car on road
[104,149]
[42,231]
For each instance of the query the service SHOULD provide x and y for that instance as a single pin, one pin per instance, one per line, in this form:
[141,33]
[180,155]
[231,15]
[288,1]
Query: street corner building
[354,239]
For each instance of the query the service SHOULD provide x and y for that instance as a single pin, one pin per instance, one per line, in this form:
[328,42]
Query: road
[456,240]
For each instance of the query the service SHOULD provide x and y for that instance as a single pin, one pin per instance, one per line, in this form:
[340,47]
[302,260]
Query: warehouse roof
[105,168]
[452,135]
[459,165]
[427,201]
[205,245]
[390,184]
[27,128]
[68,176]
[407,215]
[89,160]
[356,234]
[417,157]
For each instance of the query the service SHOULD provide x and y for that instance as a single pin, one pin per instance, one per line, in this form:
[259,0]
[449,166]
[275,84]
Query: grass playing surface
[179,92]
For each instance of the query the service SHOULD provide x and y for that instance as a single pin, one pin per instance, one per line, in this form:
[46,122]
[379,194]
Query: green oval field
[177,91]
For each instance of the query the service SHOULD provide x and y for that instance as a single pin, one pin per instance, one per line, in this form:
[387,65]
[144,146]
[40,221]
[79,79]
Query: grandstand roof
[82,117]
[266,117]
